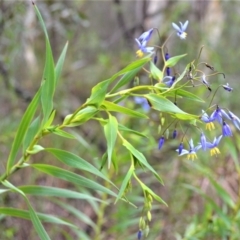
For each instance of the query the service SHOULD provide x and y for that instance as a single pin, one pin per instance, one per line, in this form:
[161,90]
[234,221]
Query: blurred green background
[101,42]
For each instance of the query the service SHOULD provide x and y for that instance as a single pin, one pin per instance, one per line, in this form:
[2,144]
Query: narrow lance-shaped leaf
[75,161]
[110,130]
[112,107]
[60,62]
[33,216]
[22,129]
[14,212]
[171,62]
[164,105]
[72,177]
[156,73]
[46,191]
[98,94]
[140,157]
[125,182]
[48,75]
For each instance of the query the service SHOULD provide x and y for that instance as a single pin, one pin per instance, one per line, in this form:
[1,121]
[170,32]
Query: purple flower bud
[155,59]
[167,56]
[168,70]
[161,142]
[180,148]
[174,135]
[227,87]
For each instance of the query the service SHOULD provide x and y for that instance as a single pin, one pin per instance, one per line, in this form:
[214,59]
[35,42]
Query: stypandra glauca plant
[165,89]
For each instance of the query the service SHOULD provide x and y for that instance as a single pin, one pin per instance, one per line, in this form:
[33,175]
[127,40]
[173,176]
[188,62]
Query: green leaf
[171,62]
[98,94]
[35,149]
[156,73]
[75,161]
[14,212]
[164,105]
[59,65]
[33,216]
[62,133]
[126,129]
[45,191]
[112,107]
[141,158]
[125,182]
[32,131]
[79,214]
[154,195]
[72,177]
[37,224]
[48,75]
[110,130]
[22,129]
[81,117]
[126,78]
[132,66]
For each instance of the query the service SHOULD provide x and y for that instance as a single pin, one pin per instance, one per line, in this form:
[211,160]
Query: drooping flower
[208,120]
[168,70]
[170,81]
[235,120]
[203,141]
[226,130]
[155,59]
[213,146]
[181,30]
[145,36]
[143,102]
[191,153]
[167,56]
[218,115]
[227,87]
[161,142]
[142,48]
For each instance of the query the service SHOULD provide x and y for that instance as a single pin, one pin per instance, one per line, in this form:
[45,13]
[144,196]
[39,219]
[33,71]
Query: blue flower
[142,48]
[235,120]
[181,30]
[213,146]
[191,153]
[226,130]
[218,115]
[203,141]
[167,56]
[161,142]
[168,70]
[145,36]
[171,80]
[208,120]
[142,101]
[227,87]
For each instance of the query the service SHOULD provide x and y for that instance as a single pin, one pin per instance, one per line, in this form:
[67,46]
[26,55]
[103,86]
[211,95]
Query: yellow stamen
[210,126]
[214,151]
[139,53]
[192,156]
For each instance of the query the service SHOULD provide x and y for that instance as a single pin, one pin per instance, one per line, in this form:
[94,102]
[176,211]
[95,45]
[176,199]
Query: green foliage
[123,173]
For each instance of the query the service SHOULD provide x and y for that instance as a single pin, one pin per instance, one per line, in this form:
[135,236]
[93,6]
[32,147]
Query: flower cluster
[212,124]
[219,116]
